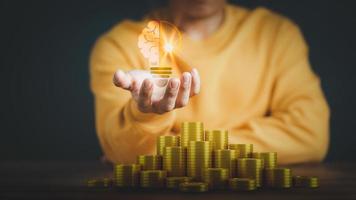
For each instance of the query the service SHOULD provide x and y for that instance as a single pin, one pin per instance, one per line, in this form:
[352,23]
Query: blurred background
[46,106]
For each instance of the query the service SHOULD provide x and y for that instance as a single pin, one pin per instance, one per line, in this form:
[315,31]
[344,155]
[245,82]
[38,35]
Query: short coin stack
[226,158]
[216,178]
[150,162]
[126,175]
[278,178]
[305,181]
[193,187]
[153,178]
[242,184]
[174,182]
[250,168]
[199,160]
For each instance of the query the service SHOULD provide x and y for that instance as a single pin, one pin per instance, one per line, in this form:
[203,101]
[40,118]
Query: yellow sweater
[256,82]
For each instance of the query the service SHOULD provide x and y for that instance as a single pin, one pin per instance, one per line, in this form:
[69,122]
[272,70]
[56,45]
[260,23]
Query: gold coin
[199,157]
[166,141]
[278,177]
[150,162]
[242,150]
[126,175]
[216,178]
[250,168]
[306,181]
[174,161]
[226,158]
[191,131]
[193,187]
[242,184]
[174,182]
[269,159]
[153,178]
[219,138]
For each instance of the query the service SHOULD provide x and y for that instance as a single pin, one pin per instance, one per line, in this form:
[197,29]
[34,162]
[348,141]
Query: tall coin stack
[242,150]
[126,175]
[174,161]
[166,141]
[199,158]
[191,131]
[226,158]
[250,168]
[219,138]
[269,159]
[150,162]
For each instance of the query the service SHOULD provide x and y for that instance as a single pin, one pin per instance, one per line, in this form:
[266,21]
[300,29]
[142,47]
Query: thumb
[122,80]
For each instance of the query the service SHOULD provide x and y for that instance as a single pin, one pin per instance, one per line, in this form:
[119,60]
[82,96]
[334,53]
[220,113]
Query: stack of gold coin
[161,72]
[174,161]
[226,158]
[174,182]
[269,159]
[278,178]
[242,184]
[250,168]
[306,181]
[100,183]
[199,158]
[153,178]
[219,138]
[242,150]
[150,162]
[191,131]
[193,187]
[126,175]
[166,141]
[216,178]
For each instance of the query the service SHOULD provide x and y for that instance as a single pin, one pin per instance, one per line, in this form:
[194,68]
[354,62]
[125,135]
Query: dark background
[46,105]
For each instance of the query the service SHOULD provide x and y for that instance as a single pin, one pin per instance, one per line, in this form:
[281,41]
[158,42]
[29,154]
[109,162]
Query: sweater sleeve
[297,126]
[123,131]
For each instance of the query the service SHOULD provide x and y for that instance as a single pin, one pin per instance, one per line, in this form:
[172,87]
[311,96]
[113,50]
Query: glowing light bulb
[157,43]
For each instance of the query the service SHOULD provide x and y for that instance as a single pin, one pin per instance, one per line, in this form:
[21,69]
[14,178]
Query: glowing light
[157,42]
[168,47]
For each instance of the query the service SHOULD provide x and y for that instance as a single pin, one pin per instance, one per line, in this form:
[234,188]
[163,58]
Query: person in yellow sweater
[251,76]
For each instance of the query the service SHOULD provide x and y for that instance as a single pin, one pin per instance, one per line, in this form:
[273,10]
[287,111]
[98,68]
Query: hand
[145,91]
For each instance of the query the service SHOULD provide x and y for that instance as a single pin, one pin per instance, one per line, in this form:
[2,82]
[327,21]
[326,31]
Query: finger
[184,90]
[169,100]
[144,100]
[195,88]
[122,79]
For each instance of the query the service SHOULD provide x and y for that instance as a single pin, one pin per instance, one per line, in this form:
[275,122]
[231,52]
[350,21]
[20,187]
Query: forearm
[126,132]
[294,136]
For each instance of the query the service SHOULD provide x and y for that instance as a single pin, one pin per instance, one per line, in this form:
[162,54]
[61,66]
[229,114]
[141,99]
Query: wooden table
[66,180]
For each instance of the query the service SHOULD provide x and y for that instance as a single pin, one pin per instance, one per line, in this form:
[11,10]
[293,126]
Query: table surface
[66,180]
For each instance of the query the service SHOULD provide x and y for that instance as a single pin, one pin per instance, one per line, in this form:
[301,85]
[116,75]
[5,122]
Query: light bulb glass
[158,42]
